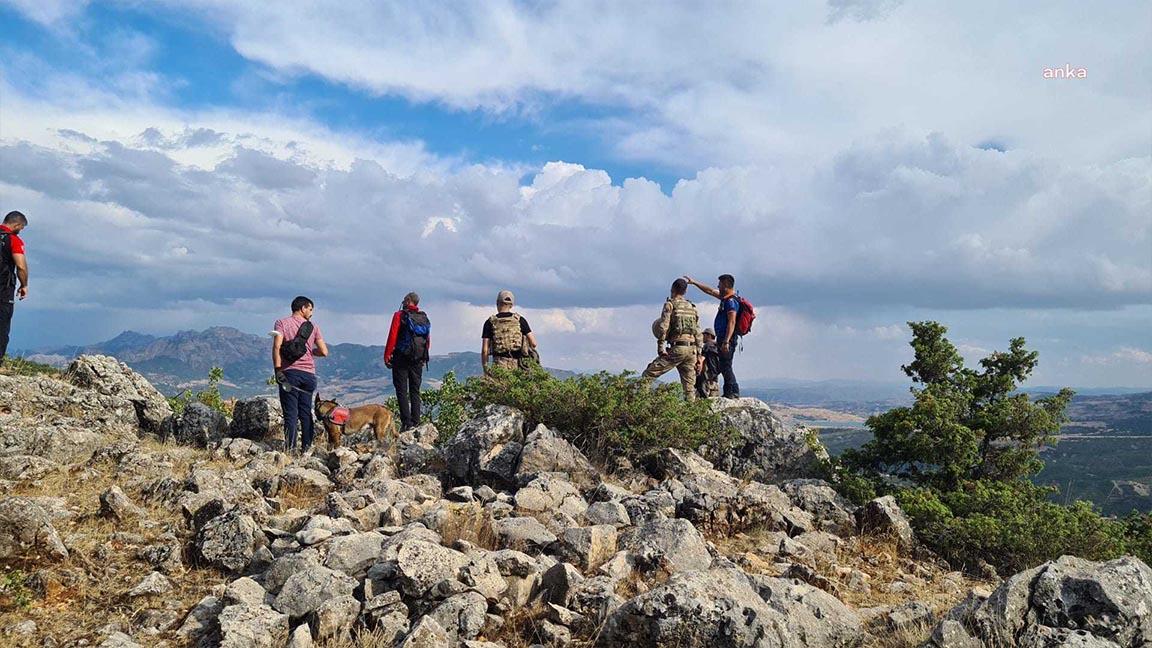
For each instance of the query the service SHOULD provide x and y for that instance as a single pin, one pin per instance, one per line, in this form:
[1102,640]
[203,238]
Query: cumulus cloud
[698,85]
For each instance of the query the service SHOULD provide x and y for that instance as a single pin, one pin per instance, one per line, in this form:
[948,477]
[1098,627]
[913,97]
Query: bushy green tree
[964,423]
[959,461]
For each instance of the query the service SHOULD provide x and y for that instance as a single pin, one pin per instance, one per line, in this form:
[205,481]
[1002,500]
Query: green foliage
[960,457]
[446,406]
[209,396]
[17,366]
[14,590]
[602,414]
[1012,525]
[964,424]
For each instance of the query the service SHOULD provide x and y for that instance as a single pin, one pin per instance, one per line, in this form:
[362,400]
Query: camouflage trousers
[507,363]
[680,358]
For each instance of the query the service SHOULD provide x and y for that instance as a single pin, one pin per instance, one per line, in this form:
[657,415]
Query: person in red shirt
[405,354]
[13,267]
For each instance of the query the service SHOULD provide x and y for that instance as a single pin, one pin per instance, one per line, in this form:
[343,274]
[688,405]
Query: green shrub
[18,366]
[14,590]
[602,414]
[1011,525]
[960,458]
[209,396]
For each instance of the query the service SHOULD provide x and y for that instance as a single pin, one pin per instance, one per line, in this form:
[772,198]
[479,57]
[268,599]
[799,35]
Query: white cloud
[48,12]
[753,83]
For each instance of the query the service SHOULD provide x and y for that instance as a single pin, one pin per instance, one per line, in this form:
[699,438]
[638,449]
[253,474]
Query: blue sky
[856,164]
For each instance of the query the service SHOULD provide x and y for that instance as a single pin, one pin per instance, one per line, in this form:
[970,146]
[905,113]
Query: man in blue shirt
[725,325]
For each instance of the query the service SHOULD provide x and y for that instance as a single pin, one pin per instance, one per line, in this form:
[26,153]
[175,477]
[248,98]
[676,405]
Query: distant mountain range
[354,373]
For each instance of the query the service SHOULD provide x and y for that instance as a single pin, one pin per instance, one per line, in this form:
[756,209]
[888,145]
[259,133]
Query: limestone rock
[107,375]
[522,533]
[26,529]
[763,447]
[545,452]
[114,503]
[462,616]
[200,426]
[487,449]
[305,591]
[257,419]
[883,517]
[671,545]
[229,541]
[1065,602]
[252,626]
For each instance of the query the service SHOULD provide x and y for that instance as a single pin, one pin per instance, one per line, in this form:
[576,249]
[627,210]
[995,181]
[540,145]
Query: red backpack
[744,316]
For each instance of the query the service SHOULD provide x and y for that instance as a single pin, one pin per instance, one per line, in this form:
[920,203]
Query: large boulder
[717,502]
[487,449]
[830,511]
[107,375]
[306,590]
[760,446]
[229,541]
[200,426]
[46,417]
[1066,602]
[670,545]
[252,626]
[883,517]
[257,419]
[545,452]
[26,530]
[717,608]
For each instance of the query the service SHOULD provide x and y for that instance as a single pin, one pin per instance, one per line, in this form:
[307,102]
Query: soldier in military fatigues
[507,337]
[678,340]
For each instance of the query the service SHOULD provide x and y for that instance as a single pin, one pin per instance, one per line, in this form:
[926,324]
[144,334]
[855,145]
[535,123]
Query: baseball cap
[709,331]
[505,297]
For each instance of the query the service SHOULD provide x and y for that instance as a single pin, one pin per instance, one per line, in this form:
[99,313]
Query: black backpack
[7,265]
[413,342]
[294,349]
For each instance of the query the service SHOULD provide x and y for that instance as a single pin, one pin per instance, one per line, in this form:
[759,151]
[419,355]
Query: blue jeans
[297,407]
[731,387]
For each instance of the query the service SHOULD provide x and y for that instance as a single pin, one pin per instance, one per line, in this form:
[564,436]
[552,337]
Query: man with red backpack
[405,354]
[733,319]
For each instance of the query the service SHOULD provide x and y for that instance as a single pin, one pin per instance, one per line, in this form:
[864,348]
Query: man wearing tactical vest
[678,340]
[13,267]
[507,338]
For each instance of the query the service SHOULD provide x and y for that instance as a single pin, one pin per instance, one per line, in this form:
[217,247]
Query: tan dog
[337,422]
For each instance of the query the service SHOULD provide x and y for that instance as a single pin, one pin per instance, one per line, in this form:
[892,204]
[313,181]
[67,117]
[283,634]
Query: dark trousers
[406,377]
[297,406]
[6,308]
[731,387]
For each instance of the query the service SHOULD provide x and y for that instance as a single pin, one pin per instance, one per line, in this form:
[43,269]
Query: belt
[505,355]
[683,343]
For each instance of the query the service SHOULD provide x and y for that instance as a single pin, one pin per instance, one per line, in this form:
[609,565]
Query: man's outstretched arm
[21,273]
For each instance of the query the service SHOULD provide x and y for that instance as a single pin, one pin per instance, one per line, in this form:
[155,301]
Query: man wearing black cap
[507,336]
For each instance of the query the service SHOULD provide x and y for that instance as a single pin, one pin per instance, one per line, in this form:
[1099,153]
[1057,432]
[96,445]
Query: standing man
[506,336]
[294,349]
[679,329]
[405,354]
[13,267]
[725,325]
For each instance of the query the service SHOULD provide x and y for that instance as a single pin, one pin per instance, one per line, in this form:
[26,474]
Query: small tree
[964,423]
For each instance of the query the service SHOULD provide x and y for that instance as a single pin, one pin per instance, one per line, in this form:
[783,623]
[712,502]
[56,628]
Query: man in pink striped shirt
[298,379]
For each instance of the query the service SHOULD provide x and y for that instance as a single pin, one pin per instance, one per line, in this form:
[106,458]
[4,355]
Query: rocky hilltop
[122,526]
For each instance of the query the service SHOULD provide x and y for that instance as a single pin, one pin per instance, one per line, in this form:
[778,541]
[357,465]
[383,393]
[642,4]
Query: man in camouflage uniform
[507,337]
[678,340]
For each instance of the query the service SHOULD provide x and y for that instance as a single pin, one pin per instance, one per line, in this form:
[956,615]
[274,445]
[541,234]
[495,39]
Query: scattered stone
[252,626]
[334,619]
[487,449]
[305,591]
[612,513]
[245,591]
[26,529]
[883,517]
[154,584]
[229,541]
[115,504]
[427,633]
[462,616]
[522,533]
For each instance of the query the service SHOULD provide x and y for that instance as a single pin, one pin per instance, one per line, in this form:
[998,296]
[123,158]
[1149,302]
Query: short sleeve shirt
[288,327]
[488,333]
[721,323]
[16,246]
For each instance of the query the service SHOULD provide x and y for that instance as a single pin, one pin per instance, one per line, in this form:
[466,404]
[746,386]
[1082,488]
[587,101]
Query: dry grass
[73,599]
[882,563]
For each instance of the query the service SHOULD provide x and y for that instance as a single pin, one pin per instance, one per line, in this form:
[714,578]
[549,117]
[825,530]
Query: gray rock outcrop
[762,447]
[107,375]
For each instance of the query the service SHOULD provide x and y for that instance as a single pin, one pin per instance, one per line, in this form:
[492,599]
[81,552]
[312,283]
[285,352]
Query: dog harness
[338,416]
